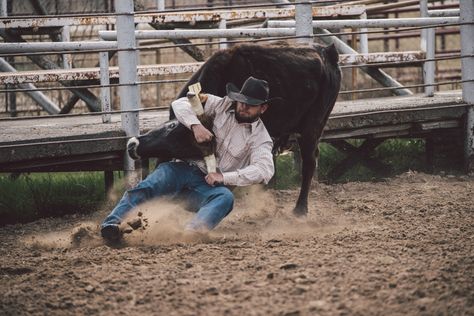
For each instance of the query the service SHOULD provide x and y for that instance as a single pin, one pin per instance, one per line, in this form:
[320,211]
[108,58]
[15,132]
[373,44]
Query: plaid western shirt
[244,150]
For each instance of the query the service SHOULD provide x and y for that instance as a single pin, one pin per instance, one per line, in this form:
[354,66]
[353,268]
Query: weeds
[29,197]
[42,195]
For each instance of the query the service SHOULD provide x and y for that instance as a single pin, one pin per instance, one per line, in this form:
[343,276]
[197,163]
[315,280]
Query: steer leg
[309,152]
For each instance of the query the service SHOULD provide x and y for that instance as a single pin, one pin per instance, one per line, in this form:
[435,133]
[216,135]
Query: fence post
[304,22]
[222,41]
[129,91]
[3,8]
[160,5]
[10,98]
[467,65]
[428,45]
[66,37]
[104,86]
[364,37]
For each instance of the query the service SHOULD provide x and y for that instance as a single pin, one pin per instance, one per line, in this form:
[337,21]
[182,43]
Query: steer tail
[332,83]
[331,54]
[333,73]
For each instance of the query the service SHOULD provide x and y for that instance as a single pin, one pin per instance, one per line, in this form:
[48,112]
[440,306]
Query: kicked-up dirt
[403,246]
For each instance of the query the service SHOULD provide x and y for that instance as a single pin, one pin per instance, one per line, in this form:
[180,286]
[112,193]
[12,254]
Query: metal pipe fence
[124,41]
[318,35]
[95,47]
[347,64]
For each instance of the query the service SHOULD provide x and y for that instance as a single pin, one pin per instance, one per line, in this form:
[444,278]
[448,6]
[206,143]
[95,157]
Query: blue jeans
[178,180]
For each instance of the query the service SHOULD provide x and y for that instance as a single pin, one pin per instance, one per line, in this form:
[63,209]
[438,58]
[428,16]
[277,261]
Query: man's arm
[186,116]
[261,168]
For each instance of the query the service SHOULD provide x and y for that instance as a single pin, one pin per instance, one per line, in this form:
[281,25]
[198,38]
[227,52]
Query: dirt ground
[403,246]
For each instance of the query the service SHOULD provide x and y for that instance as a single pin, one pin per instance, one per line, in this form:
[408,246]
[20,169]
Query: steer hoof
[132,146]
[300,211]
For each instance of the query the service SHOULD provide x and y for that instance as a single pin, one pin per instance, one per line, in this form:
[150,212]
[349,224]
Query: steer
[306,80]
[173,140]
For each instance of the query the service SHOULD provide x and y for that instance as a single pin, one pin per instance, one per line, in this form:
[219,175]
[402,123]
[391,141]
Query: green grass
[403,154]
[29,197]
[399,155]
[287,173]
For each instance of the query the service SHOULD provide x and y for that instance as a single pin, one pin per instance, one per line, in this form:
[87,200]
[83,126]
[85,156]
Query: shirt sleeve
[186,116]
[260,169]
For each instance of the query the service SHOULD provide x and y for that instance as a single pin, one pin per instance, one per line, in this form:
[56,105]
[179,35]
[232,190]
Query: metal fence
[308,22]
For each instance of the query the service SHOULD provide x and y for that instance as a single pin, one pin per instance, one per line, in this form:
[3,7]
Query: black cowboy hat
[254,92]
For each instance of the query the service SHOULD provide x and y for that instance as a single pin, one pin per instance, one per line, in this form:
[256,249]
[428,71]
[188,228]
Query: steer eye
[171,125]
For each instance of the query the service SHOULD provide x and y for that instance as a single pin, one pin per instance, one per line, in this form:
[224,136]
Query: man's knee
[226,196]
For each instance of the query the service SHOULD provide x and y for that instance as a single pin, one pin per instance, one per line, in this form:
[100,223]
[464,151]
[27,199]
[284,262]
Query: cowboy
[243,153]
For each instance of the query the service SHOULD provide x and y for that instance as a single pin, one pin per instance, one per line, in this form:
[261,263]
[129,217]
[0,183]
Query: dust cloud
[161,221]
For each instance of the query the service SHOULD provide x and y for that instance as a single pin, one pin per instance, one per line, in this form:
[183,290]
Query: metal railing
[301,29]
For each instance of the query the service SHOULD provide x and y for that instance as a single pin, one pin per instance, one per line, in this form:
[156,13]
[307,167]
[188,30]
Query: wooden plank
[440,125]
[87,136]
[417,101]
[109,161]
[18,131]
[361,120]
[360,132]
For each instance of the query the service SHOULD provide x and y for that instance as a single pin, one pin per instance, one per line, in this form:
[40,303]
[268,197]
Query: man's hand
[203,97]
[214,178]
[201,133]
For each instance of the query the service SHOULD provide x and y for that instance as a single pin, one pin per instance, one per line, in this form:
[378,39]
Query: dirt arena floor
[403,246]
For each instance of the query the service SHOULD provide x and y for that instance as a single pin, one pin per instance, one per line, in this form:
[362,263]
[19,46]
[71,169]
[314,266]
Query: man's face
[245,113]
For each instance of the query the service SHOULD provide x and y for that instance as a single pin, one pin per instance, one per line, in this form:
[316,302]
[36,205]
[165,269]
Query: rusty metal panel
[51,75]
[92,73]
[410,56]
[182,68]
[203,33]
[38,22]
[163,69]
[216,16]
[177,17]
[35,47]
[371,23]
[338,10]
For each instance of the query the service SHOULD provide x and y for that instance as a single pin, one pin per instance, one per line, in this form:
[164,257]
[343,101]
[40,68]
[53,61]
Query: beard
[246,119]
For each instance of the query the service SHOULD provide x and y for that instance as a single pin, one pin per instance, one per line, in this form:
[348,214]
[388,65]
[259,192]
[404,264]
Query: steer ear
[331,54]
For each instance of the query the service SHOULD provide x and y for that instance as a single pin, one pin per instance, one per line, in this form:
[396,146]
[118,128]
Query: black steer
[307,78]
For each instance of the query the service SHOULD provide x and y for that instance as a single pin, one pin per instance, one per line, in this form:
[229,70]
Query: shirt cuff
[230,178]
[191,121]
